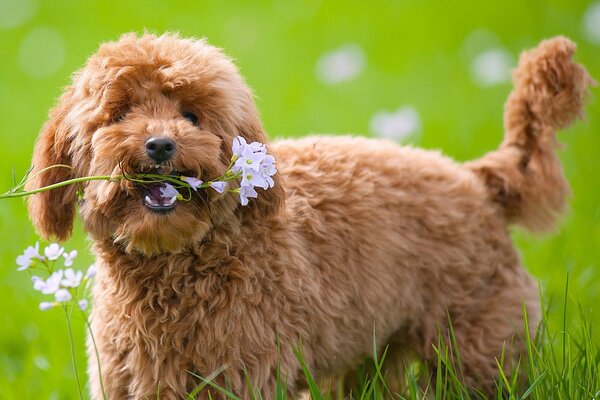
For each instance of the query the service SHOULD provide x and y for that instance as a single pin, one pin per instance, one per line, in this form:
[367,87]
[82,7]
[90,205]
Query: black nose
[160,148]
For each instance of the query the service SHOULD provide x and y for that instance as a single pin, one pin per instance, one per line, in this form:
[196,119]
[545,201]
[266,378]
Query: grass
[561,364]
[417,54]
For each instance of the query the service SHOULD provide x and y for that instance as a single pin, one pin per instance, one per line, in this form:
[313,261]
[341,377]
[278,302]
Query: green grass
[415,55]
[562,364]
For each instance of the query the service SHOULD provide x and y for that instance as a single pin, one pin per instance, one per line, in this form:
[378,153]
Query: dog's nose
[160,148]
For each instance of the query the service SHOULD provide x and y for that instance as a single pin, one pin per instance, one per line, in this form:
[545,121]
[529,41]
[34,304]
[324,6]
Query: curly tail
[524,175]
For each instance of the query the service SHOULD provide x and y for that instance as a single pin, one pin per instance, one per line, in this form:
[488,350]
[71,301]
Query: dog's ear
[52,211]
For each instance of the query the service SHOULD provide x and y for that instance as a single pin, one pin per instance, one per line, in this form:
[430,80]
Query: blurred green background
[442,64]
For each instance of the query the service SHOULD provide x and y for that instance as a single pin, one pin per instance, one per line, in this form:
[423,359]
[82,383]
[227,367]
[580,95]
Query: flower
[248,160]
[62,295]
[71,278]
[168,192]
[267,170]
[219,186]
[46,305]
[53,251]
[83,303]
[50,285]
[193,182]
[91,272]
[247,192]
[239,144]
[25,260]
[251,178]
[69,258]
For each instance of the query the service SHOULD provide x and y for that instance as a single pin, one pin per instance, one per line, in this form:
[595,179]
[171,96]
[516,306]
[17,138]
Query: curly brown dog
[357,237]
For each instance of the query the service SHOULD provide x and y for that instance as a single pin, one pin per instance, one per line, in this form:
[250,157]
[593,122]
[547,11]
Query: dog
[358,237]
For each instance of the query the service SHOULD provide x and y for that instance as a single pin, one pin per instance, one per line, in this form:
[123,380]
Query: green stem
[73,352]
[57,185]
[89,327]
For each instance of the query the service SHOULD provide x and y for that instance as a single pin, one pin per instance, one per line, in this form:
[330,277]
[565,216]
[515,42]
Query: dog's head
[146,104]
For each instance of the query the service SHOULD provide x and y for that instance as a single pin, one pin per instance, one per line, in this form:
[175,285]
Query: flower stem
[89,327]
[68,316]
[56,185]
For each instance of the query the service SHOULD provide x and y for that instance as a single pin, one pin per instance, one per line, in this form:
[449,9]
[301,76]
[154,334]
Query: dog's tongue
[154,196]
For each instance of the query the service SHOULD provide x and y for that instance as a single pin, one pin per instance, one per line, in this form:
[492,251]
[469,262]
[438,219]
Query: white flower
[83,303]
[267,170]
[249,160]
[255,167]
[71,278]
[25,260]
[91,272]
[219,186]
[69,257]
[53,251]
[193,182]
[239,144]
[253,178]
[247,192]
[50,285]
[46,305]
[168,191]
[62,295]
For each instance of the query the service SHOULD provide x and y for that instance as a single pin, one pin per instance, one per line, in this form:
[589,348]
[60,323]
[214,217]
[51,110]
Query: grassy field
[419,54]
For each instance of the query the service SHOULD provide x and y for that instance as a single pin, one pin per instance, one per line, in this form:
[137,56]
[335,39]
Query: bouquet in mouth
[250,164]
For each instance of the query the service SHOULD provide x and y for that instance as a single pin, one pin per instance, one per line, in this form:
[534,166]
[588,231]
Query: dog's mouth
[159,196]
[154,199]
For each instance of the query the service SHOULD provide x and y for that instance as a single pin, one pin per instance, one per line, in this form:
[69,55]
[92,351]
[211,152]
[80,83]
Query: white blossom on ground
[219,186]
[71,278]
[25,260]
[341,65]
[69,257]
[83,303]
[91,272]
[193,182]
[46,305]
[53,251]
[62,295]
[50,285]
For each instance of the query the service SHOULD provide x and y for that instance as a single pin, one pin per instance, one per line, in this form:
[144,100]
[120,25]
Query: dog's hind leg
[492,330]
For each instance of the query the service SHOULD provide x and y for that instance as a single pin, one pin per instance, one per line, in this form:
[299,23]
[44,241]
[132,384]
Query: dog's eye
[190,117]
[118,117]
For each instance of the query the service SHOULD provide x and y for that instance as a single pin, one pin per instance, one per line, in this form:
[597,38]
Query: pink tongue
[155,192]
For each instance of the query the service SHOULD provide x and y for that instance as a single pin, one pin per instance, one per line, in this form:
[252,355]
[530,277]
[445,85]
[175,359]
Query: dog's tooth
[148,200]
[171,201]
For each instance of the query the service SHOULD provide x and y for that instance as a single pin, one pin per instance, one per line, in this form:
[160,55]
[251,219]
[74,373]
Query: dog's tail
[524,175]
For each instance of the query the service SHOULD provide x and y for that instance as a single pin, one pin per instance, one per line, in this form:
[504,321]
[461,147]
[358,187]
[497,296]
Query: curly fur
[358,236]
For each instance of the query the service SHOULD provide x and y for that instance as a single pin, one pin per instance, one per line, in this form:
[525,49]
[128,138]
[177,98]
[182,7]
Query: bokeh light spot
[341,65]
[591,23]
[16,12]
[42,52]
[397,125]
[492,67]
